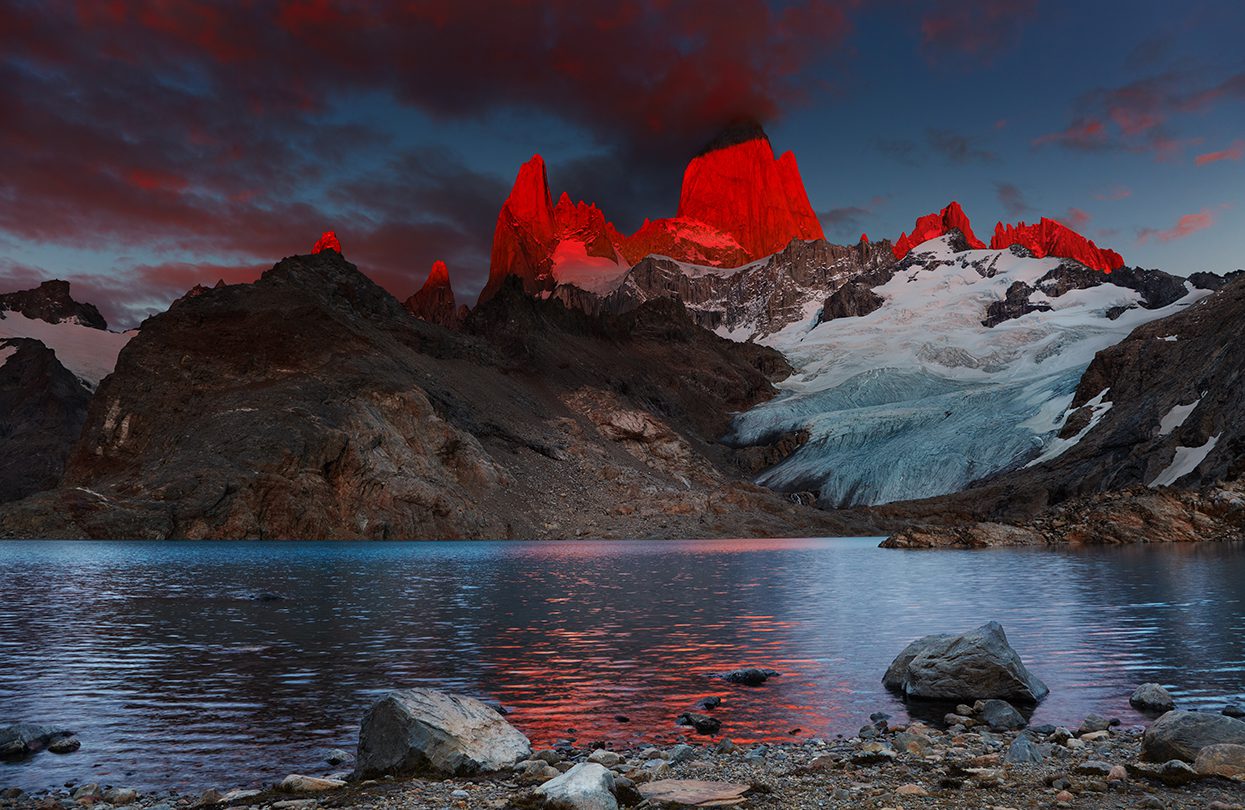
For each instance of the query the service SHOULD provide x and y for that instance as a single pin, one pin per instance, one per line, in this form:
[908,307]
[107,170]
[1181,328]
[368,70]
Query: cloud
[849,221]
[957,148]
[1082,134]
[1114,194]
[900,150]
[1076,219]
[1012,200]
[1185,226]
[232,134]
[1234,152]
[974,30]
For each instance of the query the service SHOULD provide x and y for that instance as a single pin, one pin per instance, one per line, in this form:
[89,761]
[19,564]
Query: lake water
[179,668]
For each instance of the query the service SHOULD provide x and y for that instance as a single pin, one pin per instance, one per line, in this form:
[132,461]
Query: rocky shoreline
[422,748]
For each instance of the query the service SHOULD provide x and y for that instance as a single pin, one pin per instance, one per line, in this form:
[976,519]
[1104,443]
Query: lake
[193,665]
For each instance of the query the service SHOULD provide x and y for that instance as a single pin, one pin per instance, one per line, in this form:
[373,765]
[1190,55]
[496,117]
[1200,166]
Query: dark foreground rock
[974,666]
[1181,735]
[415,731]
[752,676]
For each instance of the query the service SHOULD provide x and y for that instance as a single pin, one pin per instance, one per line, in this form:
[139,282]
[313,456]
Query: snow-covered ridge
[918,398]
[89,353]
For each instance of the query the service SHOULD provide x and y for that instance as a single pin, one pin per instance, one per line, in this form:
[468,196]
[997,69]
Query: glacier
[918,398]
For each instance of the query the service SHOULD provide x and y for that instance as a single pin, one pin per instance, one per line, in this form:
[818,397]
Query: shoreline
[897,766]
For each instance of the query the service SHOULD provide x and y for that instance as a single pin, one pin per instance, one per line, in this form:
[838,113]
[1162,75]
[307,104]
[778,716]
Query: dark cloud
[848,222]
[209,130]
[974,31]
[958,148]
[1012,200]
[901,150]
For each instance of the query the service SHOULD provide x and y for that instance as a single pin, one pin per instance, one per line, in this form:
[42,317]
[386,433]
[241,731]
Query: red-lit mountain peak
[327,241]
[932,226]
[434,302]
[525,236]
[1051,238]
[438,276]
[737,186]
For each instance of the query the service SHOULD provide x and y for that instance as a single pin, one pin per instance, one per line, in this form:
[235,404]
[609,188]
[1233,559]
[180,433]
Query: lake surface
[180,667]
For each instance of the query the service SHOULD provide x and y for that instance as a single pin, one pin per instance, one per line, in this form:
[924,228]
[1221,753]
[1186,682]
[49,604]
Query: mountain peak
[51,302]
[1052,238]
[327,241]
[438,276]
[931,226]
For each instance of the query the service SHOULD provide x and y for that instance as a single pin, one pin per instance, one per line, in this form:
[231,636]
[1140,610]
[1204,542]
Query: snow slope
[91,354]
[918,398]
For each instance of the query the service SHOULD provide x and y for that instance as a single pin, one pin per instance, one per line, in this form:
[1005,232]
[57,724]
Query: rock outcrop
[930,226]
[1051,238]
[327,241]
[42,409]
[51,302]
[422,731]
[978,665]
[434,302]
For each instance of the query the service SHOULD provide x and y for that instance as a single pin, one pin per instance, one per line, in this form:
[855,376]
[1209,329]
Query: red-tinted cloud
[1234,152]
[1076,219]
[1185,226]
[976,29]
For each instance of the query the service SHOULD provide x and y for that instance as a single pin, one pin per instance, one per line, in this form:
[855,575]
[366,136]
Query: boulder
[1000,715]
[977,665]
[693,793]
[1023,751]
[587,786]
[1152,697]
[298,783]
[23,739]
[752,676]
[1227,760]
[425,731]
[1182,735]
[703,723]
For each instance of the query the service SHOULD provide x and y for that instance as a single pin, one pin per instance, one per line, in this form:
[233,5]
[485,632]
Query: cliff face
[311,404]
[931,226]
[1051,238]
[434,302]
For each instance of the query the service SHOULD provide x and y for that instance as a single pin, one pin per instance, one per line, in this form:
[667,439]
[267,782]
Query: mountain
[434,302]
[738,204]
[1151,447]
[42,408]
[52,303]
[327,241]
[1051,238]
[931,226]
[960,368]
[75,331]
[312,404]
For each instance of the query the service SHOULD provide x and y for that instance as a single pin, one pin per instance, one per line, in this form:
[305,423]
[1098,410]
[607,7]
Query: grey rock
[119,796]
[1233,710]
[1176,772]
[336,756]
[1181,735]
[1000,715]
[752,676]
[1093,767]
[425,731]
[1092,723]
[703,723]
[64,745]
[587,786]
[1023,751]
[1226,760]
[298,783]
[23,739]
[976,665]
[681,753]
[1152,697]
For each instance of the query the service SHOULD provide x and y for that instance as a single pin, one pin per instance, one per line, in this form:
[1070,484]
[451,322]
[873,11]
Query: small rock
[88,791]
[298,783]
[680,753]
[548,756]
[1118,773]
[1092,723]
[336,756]
[587,786]
[210,796]
[703,723]
[1233,710]
[726,746]
[64,745]
[911,790]
[1093,768]
[1023,752]
[606,758]
[709,703]
[1095,736]
[1176,772]
[119,796]
[1152,697]
[1000,715]
[1064,797]
[752,676]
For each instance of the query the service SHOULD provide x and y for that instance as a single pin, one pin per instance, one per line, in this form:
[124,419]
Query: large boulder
[1182,735]
[1152,697]
[587,786]
[977,665]
[1221,760]
[414,731]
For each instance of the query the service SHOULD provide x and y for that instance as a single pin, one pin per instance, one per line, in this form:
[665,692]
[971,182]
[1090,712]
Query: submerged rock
[421,731]
[752,676]
[974,666]
[23,739]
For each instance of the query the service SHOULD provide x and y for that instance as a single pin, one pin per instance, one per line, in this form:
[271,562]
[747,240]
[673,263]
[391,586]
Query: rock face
[736,186]
[930,226]
[586,786]
[434,302]
[1182,735]
[1051,238]
[312,404]
[42,409]
[975,666]
[51,302]
[327,241]
[422,731]
[525,237]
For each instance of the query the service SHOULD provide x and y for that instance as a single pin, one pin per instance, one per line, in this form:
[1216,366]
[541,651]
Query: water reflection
[218,664]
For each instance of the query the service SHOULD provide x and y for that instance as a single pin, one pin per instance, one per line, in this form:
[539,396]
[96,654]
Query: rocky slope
[42,408]
[1151,447]
[311,404]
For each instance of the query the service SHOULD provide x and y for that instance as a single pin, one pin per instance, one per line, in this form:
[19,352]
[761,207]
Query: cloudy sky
[147,146]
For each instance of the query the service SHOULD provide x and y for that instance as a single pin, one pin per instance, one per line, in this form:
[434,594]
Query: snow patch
[1176,416]
[1170,338]
[5,353]
[1057,446]
[90,354]
[595,274]
[1186,461]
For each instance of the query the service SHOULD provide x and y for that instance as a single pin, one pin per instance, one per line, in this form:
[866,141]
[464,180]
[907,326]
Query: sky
[149,146]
